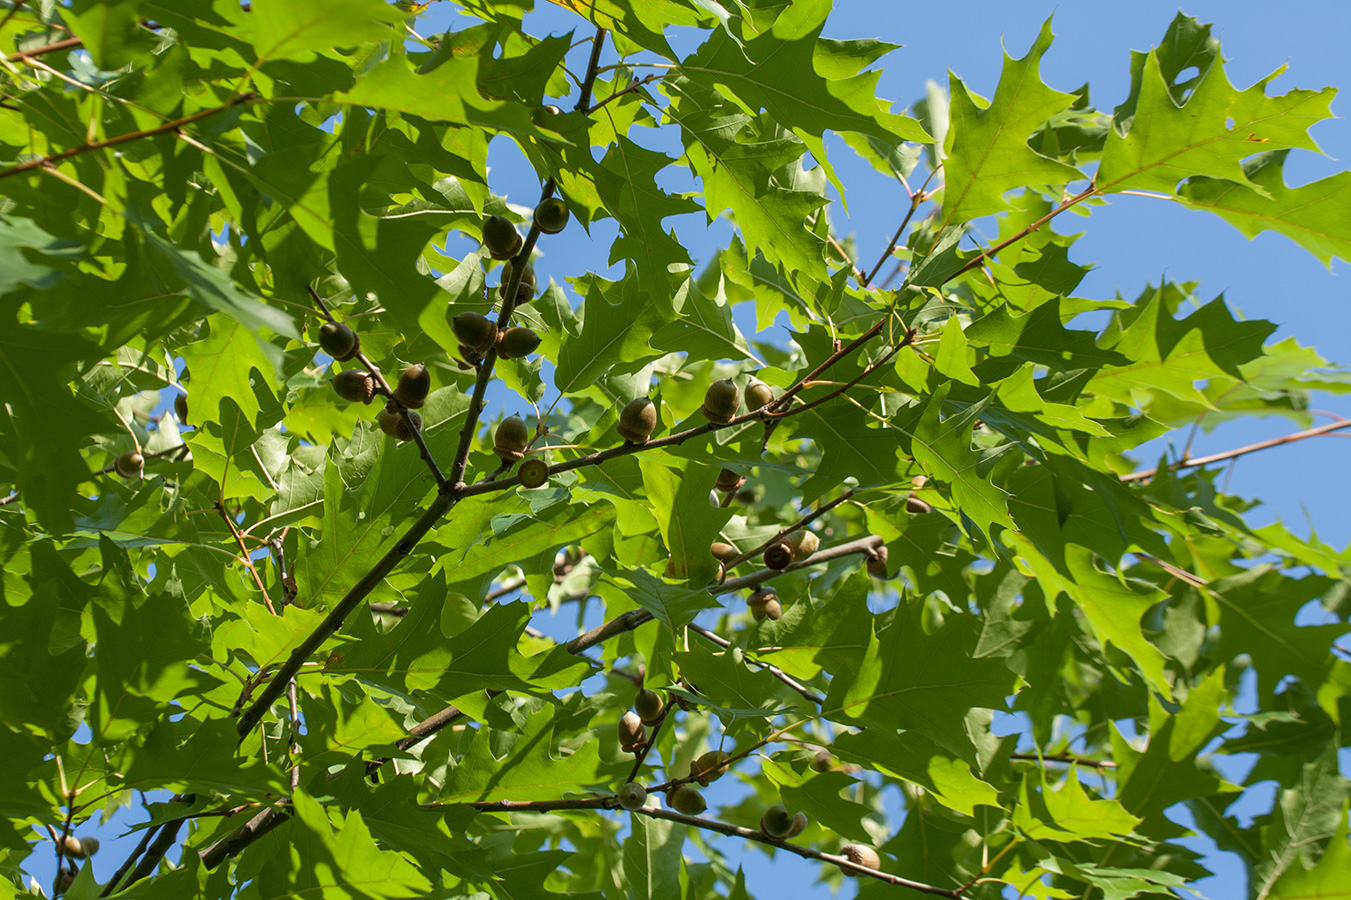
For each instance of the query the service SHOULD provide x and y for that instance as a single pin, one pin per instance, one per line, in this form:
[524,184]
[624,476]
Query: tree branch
[1241,451]
[778,673]
[66,44]
[90,146]
[244,835]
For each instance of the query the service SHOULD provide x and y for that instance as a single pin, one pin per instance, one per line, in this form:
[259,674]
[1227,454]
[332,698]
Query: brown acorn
[526,292]
[758,395]
[551,216]
[339,341]
[802,543]
[414,385]
[129,464]
[181,408]
[501,238]
[475,332]
[533,472]
[860,855]
[761,597]
[915,505]
[391,423]
[511,439]
[354,385]
[800,823]
[723,552]
[649,706]
[877,562]
[469,357]
[772,610]
[517,342]
[722,400]
[776,822]
[777,556]
[687,799]
[632,734]
[729,482]
[709,767]
[632,796]
[637,419]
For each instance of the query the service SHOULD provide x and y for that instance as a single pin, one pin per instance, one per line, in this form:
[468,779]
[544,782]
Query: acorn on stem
[501,238]
[649,706]
[511,439]
[526,292]
[81,848]
[632,734]
[800,823]
[551,215]
[722,400]
[915,505]
[709,767]
[823,761]
[860,855]
[181,408]
[533,473]
[771,610]
[517,342]
[391,423]
[802,543]
[761,597]
[637,420]
[129,464]
[729,482]
[475,332]
[687,799]
[355,385]
[776,822]
[758,395]
[778,555]
[632,796]
[723,552]
[339,341]
[414,385]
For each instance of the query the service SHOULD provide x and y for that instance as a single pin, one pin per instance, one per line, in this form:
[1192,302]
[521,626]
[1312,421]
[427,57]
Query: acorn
[533,472]
[129,464]
[802,544]
[551,216]
[517,342]
[761,597]
[915,505]
[722,400]
[778,555]
[649,706]
[414,385]
[861,856]
[501,238]
[772,610]
[339,341]
[475,332]
[758,395]
[729,481]
[632,734]
[526,292]
[65,877]
[776,822]
[81,848]
[877,562]
[709,767]
[723,552]
[391,423]
[511,439]
[354,385]
[637,420]
[469,357]
[823,761]
[632,796]
[687,799]
[181,408]
[800,822]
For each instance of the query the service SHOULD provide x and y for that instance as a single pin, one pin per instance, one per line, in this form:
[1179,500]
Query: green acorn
[722,400]
[686,799]
[129,464]
[823,761]
[761,597]
[649,706]
[709,767]
[81,848]
[533,472]
[758,395]
[339,341]
[354,384]
[860,855]
[632,734]
[637,419]
[771,610]
[526,292]
[474,331]
[802,544]
[915,505]
[632,796]
[511,439]
[551,216]
[517,342]
[800,822]
[723,552]
[501,238]
[414,385]
[776,822]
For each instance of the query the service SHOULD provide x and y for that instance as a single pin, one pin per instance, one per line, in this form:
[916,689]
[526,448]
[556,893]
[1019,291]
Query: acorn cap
[501,238]
[637,419]
[778,556]
[877,562]
[339,341]
[551,215]
[772,610]
[722,400]
[414,385]
[511,438]
[474,331]
[391,423]
[758,395]
[517,342]
[729,481]
[761,597]
[800,822]
[129,464]
[533,472]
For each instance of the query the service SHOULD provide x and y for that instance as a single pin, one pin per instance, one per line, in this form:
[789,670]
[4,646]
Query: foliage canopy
[308,645]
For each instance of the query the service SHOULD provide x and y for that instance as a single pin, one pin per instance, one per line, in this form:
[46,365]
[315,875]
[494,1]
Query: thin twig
[788,529]
[246,559]
[628,90]
[1241,451]
[1064,758]
[641,756]
[130,861]
[778,673]
[66,44]
[1083,195]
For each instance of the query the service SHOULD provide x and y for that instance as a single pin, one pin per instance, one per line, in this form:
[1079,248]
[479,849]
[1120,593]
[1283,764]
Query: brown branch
[778,673]
[916,199]
[90,146]
[787,530]
[1241,451]
[164,841]
[592,70]
[1064,758]
[130,861]
[1083,195]
[66,44]
[245,558]
[244,835]
[635,617]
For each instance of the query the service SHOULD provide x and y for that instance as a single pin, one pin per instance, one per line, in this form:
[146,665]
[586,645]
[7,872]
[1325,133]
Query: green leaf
[294,28]
[530,769]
